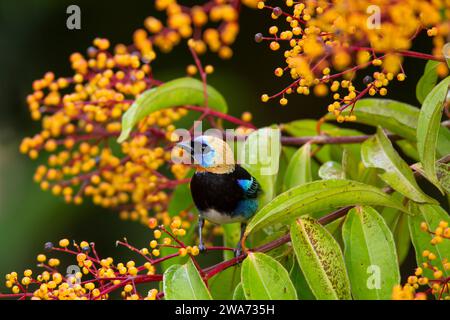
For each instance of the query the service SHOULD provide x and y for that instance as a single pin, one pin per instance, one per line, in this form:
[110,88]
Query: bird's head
[209,153]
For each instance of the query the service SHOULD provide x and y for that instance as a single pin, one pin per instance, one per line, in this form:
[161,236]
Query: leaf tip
[123,136]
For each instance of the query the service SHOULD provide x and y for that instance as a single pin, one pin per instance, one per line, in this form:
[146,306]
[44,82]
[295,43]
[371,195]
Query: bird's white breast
[219,218]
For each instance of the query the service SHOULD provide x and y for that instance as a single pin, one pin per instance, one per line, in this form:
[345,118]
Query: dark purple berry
[367,79]
[277,11]
[258,37]
[48,246]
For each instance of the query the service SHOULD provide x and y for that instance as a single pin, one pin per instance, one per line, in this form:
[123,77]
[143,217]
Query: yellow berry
[209,69]
[64,243]
[246,116]
[191,70]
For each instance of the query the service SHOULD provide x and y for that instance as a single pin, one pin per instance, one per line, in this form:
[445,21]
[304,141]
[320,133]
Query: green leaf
[349,165]
[402,237]
[320,258]
[398,224]
[299,169]
[317,196]
[308,128]
[443,174]
[299,281]
[408,148]
[264,278]
[181,198]
[223,284]
[285,157]
[431,215]
[370,255]
[397,117]
[175,93]
[427,81]
[183,282]
[231,237]
[378,152]
[428,129]
[335,229]
[238,293]
[331,170]
[260,156]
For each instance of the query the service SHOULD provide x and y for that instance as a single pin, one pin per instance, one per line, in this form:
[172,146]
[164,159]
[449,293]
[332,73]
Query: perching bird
[222,190]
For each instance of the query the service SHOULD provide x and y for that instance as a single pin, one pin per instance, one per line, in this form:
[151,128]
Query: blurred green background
[34,39]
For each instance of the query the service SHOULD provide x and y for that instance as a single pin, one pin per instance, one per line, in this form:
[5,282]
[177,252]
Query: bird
[222,190]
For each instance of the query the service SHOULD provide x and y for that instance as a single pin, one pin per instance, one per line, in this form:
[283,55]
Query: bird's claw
[202,248]
[237,252]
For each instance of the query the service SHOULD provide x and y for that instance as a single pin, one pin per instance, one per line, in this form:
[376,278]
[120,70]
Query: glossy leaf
[183,282]
[370,255]
[308,128]
[299,281]
[285,157]
[320,258]
[223,284]
[331,170]
[298,171]
[378,152]
[181,199]
[408,148]
[431,215]
[175,93]
[428,129]
[397,222]
[260,156]
[264,278]
[402,237]
[231,237]
[335,229]
[397,117]
[349,164]
[427,81]
[317,196]
[238,293]
[443,175]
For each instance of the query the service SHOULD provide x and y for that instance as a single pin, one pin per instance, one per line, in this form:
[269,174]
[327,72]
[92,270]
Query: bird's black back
[220,192]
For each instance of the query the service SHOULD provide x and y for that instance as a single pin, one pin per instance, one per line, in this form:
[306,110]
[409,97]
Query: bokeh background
[34,39]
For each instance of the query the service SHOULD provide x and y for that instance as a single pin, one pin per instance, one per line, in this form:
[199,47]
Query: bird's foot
[202,248]
[237,251]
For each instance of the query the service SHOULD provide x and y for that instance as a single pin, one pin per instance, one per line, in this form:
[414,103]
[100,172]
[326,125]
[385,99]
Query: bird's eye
[205,148]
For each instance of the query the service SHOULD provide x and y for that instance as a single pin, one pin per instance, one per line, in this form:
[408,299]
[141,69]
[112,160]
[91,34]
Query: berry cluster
[81,114]
[431,273]
[92,277]
[327,42]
